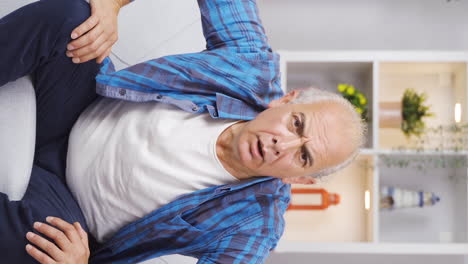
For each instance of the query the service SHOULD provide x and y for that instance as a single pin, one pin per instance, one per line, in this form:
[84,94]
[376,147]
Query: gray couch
[164,27]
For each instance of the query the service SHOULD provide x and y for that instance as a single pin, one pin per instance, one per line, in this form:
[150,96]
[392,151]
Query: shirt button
[122,92]
[159,96]
[195,108]
[215,114]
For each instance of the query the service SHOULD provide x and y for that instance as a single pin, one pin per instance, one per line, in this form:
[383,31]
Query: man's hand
[94,37]
[71,243]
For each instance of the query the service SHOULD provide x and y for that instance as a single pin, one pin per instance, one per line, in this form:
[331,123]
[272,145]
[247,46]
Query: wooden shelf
[322,225]
[442,223]
[444,83]
[375,73]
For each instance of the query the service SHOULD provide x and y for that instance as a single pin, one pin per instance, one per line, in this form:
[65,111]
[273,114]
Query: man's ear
[285,99]
[300,180]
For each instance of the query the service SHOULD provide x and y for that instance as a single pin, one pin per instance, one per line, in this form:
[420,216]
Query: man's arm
[233,25]
[226,24]
[238,61]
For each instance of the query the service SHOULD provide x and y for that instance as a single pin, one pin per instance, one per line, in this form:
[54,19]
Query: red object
[327,199]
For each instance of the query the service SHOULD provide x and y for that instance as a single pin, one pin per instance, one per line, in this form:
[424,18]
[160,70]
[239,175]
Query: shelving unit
[350,227]
[352,206]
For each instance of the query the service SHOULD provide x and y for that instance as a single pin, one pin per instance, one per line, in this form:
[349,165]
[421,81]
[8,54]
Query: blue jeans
[33,42]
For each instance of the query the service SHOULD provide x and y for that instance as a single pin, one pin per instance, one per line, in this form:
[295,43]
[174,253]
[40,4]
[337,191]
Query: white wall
[366,24]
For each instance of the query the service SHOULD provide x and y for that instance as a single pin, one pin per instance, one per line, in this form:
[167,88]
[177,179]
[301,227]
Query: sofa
[164,27]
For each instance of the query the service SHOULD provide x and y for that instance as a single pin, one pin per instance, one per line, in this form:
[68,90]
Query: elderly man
[173,165]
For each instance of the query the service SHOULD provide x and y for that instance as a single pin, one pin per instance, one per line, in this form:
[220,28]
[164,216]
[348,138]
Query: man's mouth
[260,148]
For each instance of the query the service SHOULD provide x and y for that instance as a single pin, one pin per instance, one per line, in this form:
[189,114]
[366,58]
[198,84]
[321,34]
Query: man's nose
[284,144]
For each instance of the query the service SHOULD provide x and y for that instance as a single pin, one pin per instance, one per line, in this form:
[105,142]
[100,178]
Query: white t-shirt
[127,159]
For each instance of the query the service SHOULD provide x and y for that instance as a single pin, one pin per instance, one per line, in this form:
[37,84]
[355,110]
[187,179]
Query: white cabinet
[389,158]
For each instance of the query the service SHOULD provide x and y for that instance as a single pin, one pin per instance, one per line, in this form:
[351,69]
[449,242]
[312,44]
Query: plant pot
[390,115]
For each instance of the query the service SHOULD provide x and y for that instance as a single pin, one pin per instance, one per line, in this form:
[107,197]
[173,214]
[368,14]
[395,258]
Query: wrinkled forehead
[333,125]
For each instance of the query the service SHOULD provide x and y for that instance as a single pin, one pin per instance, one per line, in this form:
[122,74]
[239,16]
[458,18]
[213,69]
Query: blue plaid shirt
[238,223]
[235,77]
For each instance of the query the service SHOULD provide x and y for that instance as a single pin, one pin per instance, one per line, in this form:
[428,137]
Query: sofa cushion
[147,29]
[8,6]
[17,136]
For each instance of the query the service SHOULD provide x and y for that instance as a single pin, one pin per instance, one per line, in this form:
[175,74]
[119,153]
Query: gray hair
[313,95]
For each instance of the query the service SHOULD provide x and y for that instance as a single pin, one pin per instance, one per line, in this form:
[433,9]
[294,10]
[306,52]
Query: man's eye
[297,122]
[304,158]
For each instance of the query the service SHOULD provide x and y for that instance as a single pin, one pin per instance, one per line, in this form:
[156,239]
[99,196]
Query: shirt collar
[243,184]
[232,108]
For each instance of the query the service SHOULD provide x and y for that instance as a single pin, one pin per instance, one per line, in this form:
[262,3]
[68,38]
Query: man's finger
[94,46]
[90,56]
[86,39]
[66,227]
[58,236]
[39,255]
[86,26]
[44,244]
[83,234]
[101,58]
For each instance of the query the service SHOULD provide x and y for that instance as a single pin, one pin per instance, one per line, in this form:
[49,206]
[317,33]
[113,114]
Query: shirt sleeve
[233,25]
[238,61]
[239,248]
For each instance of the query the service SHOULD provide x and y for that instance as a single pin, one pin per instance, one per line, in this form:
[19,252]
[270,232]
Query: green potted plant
[355,97]
[407,114]
[413,111]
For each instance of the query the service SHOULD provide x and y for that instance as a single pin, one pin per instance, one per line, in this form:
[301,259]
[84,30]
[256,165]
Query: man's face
[293,140]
